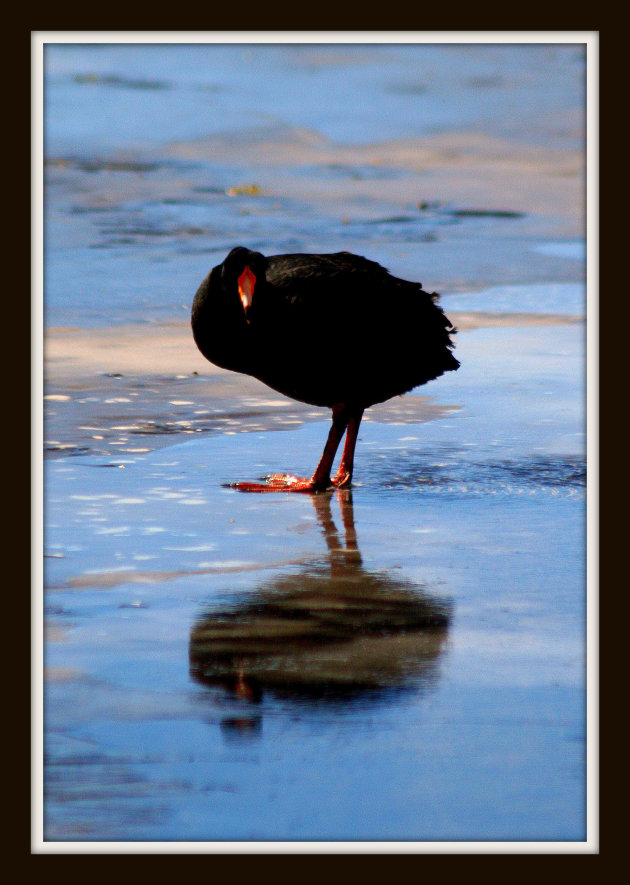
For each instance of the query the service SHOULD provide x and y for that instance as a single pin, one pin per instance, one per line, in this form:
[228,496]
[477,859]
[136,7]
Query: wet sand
[212,657]
[132,389]
[463,169]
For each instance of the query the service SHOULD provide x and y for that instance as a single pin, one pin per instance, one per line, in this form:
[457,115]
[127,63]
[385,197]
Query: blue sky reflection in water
[405,663]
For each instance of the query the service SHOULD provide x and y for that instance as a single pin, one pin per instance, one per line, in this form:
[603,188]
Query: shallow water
[138,212]
[403,662]
[403,731]
[224,666]
[109,96]
[153,733]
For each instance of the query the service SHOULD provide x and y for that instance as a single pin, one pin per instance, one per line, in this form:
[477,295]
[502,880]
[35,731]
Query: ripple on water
[563,476]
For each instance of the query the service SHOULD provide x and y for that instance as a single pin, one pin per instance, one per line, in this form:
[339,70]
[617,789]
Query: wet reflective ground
[405,662]
[227,686]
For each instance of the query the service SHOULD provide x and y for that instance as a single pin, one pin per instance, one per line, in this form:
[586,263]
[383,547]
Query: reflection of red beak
[246,283]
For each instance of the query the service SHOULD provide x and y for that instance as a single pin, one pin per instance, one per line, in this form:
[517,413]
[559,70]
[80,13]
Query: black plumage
[334,330]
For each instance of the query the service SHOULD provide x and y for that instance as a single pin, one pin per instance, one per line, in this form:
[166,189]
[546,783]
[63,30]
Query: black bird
[334,330]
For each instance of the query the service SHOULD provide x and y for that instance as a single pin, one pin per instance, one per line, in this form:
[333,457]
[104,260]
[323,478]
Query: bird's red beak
[246,283]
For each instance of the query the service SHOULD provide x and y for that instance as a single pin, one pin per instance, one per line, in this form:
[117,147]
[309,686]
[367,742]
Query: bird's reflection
[332,630]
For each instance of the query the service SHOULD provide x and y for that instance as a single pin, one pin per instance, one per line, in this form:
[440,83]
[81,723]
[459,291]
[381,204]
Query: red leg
[320,480]
[343,477]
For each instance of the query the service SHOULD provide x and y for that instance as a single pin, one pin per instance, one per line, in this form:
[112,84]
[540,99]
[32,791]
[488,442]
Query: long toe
[282,482]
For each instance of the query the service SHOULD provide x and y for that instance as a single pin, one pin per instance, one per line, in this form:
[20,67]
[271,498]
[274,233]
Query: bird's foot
[283,482]
[342,479]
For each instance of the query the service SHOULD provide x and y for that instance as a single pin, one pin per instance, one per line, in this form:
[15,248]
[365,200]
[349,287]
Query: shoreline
[465,168]
[132,389]
[162,348]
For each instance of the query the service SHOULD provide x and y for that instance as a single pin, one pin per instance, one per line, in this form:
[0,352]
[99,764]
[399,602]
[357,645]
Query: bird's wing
[320,288]
[288,271]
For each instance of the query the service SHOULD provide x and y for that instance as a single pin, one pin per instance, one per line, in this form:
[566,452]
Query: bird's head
[244,271]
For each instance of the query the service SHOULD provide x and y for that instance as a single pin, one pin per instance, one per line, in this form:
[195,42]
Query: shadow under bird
[335,330]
